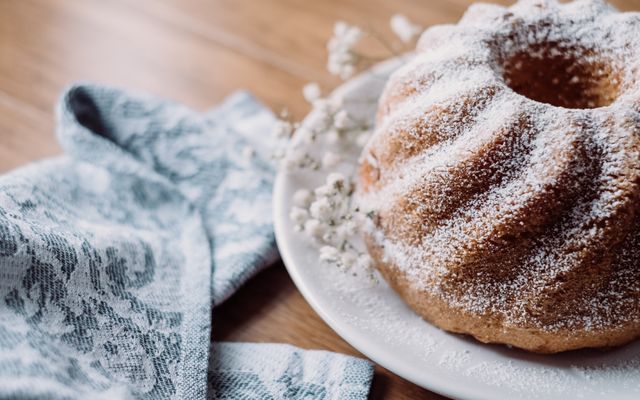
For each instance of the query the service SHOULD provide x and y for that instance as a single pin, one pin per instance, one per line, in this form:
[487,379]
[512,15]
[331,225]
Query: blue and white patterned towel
[112,256]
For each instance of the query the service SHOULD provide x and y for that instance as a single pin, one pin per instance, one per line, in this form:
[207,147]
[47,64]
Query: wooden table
[196,52]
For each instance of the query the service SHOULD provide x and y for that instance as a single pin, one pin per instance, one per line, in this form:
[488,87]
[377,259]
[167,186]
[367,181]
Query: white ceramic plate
[374,320]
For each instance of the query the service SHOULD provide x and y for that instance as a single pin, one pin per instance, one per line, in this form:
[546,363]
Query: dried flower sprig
[341,47]
[327,215]
[329,123]
[343,57]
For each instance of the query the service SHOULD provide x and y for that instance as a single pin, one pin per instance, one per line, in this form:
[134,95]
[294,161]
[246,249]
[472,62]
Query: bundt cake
[503,177]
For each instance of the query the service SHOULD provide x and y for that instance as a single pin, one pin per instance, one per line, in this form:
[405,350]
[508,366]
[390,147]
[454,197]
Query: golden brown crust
[487,329]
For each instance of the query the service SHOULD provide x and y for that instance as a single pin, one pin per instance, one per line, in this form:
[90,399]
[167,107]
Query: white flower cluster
[283,128]
[311,92]
[281,133]
[325,215]
[328,121]
[342,56]
[404,28]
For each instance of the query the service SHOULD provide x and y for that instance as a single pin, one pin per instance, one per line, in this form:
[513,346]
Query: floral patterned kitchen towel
[112,255]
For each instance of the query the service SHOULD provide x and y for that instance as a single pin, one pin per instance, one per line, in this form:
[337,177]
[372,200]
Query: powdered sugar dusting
[523,207]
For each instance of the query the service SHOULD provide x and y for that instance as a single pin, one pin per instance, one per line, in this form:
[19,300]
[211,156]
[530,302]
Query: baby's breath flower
[329,236]
[336,102]
[294,158]
[324,191]
[298,158]
[326,215]
[336,180]
[311,92]
[333,137]
[339,234]
[342,57]
[315,228]
[282,129]
[404,28]
[348,258]
[330,160]
[329,254]
[364,261]
[341,119]
[306,135]
[302,198]
[328,107]
[321,209]
[299,215]
[349,228]
[321,119]
[362,139]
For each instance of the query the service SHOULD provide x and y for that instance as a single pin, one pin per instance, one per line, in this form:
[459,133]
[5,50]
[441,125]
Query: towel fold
[112,256]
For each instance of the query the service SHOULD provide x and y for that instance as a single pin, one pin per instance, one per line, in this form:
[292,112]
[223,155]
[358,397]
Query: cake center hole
[562,76]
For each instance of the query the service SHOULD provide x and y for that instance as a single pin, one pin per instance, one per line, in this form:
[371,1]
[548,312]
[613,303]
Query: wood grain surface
[196,52]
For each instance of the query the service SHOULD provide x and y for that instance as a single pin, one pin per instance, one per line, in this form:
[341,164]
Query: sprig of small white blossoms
[341,47]
[329,120]
[329,123]
[343,57]
[326,216]
[404,29]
